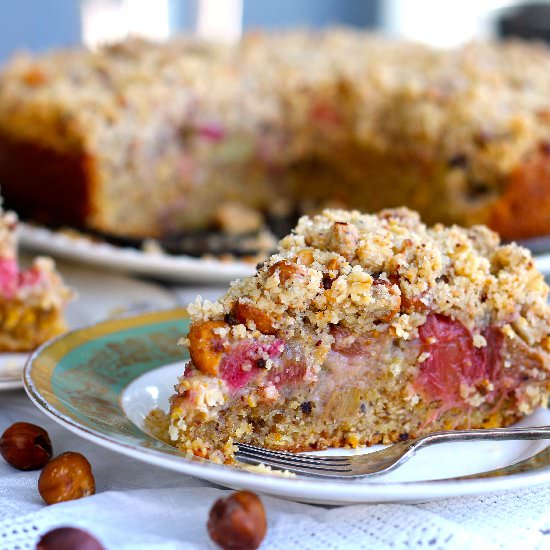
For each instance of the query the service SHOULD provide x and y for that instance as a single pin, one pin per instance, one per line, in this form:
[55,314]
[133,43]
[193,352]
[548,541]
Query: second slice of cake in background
[32,300]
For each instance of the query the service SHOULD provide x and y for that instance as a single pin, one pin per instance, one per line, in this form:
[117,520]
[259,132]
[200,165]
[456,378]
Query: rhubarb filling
[343,396]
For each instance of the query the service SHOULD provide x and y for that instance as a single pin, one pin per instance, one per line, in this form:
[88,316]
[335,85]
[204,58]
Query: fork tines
[300,463]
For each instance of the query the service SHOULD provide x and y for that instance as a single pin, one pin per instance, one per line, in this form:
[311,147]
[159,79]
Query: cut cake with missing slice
[139,139]
[365,329]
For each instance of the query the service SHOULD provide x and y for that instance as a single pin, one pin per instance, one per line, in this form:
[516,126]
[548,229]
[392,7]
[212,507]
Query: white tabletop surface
[139,506]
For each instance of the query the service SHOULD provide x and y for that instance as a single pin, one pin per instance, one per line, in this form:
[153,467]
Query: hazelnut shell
[238,522]
[68,538]
[26,446]
[67,477]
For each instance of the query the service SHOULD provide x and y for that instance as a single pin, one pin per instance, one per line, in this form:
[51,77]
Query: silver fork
[378,462]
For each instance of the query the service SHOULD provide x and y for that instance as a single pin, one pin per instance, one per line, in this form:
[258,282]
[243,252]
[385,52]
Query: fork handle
[496,434]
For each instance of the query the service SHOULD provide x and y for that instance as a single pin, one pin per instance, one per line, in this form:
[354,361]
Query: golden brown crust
[523,211]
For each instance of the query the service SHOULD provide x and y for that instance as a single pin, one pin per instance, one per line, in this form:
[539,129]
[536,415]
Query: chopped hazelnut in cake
[362,328]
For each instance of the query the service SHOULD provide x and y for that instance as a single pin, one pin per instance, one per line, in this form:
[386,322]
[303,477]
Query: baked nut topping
[205,346]
[305,256]
[67,477]
[68,538]
[333,265]
[26,446]
[286,270]
[246,312]
[343,238]
[238,522]
[34,77]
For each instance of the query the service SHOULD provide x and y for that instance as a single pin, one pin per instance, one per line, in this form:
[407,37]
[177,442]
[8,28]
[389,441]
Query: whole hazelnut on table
[67,477]
[238,521]
[26,446]
[68,538]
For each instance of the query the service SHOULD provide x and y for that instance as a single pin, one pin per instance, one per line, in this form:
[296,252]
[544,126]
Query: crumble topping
[39,285]
[396,94]
[370,272]
[8,224]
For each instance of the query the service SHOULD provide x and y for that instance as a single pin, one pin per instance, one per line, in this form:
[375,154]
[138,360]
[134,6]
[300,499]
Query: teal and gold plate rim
[79,378]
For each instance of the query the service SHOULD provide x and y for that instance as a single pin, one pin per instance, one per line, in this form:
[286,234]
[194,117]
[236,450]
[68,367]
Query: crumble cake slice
[365,329]
[31,300]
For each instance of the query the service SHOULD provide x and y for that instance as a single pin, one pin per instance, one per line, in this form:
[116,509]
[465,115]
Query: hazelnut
[246,312]
[305,256]
[238,521]
[333,265]
[343,238]
[205,346]
[26,446]
[34,77]
[286,270]
[67,477]
[68,538]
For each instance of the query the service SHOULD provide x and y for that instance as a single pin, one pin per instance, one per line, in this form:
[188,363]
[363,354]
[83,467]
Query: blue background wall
[37,25]
[282,13]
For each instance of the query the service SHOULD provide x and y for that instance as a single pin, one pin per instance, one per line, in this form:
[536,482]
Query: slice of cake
[31,300]
[366,329]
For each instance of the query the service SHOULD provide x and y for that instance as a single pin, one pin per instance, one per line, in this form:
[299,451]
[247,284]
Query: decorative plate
[100,382]
[99,296]
[130,260]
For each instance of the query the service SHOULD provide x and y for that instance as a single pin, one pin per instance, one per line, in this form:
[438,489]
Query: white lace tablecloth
[138,506]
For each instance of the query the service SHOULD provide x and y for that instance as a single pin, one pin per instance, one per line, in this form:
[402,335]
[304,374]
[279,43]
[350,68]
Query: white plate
[11,365]
[101,381]
[131,260]
[100,295]
[153,389]
[433,474]
[164,266]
